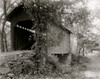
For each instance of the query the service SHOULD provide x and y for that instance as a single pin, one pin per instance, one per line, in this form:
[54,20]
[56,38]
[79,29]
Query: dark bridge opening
[21,36]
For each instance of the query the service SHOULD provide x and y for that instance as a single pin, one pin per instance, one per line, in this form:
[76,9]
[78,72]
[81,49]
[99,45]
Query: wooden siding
[73,44]
[64,46]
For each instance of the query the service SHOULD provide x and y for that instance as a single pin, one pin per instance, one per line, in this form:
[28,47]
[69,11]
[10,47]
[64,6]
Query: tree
[3,24]
[78,17]
[6,5]
[44,12]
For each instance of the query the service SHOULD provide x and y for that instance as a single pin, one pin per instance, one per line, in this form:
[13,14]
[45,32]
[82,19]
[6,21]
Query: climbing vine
[44,13]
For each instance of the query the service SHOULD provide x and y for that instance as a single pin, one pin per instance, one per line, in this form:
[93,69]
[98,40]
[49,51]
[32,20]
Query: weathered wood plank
[14,52]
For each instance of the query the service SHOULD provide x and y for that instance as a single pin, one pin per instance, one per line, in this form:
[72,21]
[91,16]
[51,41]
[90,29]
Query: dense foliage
[44,14]
[26,65]
[79,62]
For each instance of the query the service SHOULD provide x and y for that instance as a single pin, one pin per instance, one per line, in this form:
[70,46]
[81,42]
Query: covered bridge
[20,38]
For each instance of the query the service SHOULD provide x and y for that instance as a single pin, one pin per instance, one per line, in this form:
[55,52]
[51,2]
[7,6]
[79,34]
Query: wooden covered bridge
[20,37]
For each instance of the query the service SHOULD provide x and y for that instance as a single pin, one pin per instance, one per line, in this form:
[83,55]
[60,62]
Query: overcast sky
[94,6]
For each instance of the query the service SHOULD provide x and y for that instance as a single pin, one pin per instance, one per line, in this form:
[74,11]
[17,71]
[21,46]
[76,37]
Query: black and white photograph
[49,39]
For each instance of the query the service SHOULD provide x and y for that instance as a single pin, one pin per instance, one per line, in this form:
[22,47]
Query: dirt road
[93,71]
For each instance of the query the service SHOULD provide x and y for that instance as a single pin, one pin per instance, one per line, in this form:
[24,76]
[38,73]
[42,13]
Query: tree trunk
[3,25]
[83,50]
[5,44]
[2,37]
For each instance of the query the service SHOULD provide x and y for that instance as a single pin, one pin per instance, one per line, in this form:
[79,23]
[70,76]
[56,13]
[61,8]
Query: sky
[94,6]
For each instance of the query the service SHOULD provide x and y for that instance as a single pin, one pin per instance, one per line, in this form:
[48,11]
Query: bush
[25,64]
[79,62]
